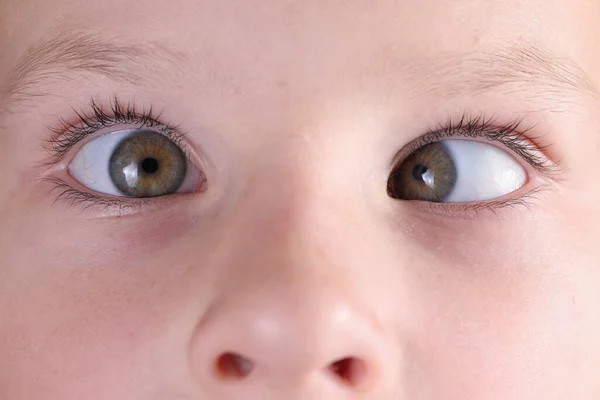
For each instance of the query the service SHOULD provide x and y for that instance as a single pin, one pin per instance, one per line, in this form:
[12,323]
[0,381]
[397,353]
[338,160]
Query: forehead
[265,49]
[285,33]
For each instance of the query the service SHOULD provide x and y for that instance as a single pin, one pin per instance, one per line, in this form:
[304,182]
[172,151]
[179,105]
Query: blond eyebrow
[66,56]
[520,68]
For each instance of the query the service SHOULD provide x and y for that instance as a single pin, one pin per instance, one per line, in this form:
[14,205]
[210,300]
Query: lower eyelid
[525,199]
[97,205]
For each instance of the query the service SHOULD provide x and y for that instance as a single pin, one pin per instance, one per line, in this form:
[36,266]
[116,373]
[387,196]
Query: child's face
[376,200]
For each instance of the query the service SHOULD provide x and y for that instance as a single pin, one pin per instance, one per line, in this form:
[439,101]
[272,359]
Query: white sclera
[90,167]
[484,171]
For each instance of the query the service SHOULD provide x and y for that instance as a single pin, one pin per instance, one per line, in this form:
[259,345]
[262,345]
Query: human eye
[139,163]
[472,162]
[122,157]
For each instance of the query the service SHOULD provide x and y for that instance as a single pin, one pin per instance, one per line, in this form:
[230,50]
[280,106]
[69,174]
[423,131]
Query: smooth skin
[293,274]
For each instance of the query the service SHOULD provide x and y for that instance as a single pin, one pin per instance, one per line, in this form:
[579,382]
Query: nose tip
[283,345]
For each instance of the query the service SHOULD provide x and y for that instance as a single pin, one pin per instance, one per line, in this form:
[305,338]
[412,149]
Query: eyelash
[513,135]
[69,134]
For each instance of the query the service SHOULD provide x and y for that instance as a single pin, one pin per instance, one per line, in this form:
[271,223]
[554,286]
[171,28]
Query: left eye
[456,171]
[134,163]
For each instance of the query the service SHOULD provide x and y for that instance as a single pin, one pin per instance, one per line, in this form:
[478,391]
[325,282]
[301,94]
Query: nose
[297,311]
[280,340]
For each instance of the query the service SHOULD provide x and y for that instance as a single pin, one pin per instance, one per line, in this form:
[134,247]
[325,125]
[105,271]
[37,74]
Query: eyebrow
[519,68]
[67,56]
[515,69]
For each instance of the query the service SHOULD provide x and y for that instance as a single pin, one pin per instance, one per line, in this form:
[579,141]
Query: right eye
[134,163]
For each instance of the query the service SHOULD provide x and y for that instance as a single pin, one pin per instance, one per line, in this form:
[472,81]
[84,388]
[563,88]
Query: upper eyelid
[511,134]
[68,134]
[514,135]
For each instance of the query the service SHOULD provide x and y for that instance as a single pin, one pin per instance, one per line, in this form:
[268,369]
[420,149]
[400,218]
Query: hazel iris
[147,164]
[428,174]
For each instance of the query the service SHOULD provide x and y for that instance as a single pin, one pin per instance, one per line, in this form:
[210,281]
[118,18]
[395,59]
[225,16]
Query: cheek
[82,332]
[68,238]
[89,306]
[68,326]
[518,335]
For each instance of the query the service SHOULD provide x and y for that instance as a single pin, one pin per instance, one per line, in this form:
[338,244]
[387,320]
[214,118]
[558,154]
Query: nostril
[233,366]
[350,370]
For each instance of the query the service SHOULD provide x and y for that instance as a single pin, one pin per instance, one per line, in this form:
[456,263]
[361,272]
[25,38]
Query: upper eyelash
[513,135]
[68,134]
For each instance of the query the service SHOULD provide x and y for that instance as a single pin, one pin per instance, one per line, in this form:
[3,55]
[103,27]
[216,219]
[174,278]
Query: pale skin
[292,273]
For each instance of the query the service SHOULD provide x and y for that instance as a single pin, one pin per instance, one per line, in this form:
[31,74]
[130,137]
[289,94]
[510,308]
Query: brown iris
[428,174]
[148,164]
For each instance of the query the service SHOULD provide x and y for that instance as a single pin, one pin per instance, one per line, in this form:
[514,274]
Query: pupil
[150,165]
[419,171]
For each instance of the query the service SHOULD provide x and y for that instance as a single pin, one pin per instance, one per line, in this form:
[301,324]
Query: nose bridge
[294,271]
[298,237]
[296,200]
[298,233]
